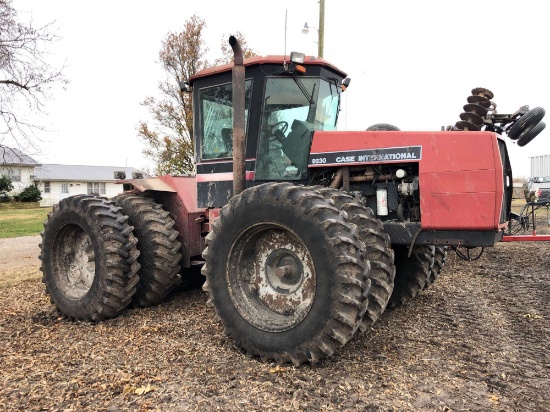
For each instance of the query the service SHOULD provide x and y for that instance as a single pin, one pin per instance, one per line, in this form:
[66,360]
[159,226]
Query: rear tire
[383,127]
[158,245]
[286,273]
[89,258]
[440,255]
[412,273]
[378,252]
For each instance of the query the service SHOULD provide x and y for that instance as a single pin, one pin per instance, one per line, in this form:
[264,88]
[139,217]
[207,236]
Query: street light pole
[321,27]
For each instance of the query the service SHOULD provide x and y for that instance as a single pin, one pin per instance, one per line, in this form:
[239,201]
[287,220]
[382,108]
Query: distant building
[540,165]
[18,167]
[56,181]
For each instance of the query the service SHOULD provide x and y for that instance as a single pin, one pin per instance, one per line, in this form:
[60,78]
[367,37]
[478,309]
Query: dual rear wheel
[99,256]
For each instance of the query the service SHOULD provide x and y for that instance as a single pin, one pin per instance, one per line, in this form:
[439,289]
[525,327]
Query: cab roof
[259,60]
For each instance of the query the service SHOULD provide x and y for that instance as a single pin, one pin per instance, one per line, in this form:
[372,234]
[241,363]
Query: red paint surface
[186,186]
[460,173]
[221,177]
[526,238]
[183,208]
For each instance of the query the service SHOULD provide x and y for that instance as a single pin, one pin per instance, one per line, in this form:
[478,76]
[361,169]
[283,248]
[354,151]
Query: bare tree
[168,141]
[227,51]
[26,78]
[169,138]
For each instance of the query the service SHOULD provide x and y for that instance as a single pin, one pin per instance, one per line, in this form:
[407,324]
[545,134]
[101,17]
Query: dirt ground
[477,340]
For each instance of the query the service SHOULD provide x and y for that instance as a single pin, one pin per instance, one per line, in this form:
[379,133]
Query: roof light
[297,58]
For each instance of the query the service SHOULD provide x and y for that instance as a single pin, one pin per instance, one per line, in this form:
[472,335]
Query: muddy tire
[158,246]
[440,255]
[286,274]
[89,258]
[378,252]
[412,273]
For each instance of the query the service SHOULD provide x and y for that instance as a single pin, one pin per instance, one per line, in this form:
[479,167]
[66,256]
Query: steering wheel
[278,130]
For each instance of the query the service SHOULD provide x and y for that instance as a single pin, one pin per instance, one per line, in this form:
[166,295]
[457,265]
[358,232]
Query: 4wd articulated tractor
[305,234]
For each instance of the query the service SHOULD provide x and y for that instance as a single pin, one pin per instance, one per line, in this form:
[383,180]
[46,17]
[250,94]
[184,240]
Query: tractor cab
[285,102]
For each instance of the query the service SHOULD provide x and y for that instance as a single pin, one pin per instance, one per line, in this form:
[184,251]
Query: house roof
[10,156]
[80,173]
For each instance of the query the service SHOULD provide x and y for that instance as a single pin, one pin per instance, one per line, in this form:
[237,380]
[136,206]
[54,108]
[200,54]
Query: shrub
[30,194]
[6,185]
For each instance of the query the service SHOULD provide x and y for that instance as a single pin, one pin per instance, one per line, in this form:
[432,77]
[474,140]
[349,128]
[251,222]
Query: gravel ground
[477,340]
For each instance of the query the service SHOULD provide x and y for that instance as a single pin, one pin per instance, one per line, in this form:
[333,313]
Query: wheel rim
[271,277]
[73,261]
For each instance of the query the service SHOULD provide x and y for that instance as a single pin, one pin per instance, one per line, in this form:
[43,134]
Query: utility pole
[321,27]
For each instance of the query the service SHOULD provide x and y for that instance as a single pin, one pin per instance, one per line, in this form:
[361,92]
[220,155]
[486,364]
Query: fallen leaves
[176,357]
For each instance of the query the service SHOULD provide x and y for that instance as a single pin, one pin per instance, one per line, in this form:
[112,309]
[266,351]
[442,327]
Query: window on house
[96,188]
[64,188]
[14,175]
[47,187]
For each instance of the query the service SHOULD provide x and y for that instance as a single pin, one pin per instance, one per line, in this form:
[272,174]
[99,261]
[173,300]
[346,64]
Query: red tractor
[306,234]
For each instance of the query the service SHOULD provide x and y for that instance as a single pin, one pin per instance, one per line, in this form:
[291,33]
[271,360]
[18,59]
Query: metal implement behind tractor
[306,233]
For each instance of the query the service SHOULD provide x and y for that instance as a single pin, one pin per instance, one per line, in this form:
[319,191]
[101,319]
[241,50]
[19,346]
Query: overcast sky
[412,63]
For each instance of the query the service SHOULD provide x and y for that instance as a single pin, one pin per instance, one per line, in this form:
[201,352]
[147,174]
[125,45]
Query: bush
[30,194]
[6,185]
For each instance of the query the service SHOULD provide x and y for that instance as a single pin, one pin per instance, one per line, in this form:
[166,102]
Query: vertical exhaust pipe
[239,144]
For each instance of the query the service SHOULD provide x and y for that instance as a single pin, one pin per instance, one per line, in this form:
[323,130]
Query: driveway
[19,252]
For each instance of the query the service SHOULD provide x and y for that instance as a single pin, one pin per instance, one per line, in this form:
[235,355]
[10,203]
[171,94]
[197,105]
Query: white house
[57,182]
[18,167]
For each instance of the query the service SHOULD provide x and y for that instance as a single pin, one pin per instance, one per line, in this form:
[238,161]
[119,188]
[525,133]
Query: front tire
[286,274]
[158,246]
[378,252]
[89,258]
[412,273]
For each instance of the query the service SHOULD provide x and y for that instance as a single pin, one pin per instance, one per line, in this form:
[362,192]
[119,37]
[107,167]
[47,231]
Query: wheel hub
[75,262]
[274,284]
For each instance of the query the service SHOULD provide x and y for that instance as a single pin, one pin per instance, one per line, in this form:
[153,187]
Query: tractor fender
[178,195]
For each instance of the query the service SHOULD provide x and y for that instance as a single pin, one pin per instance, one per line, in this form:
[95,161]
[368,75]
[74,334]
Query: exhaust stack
[239,144]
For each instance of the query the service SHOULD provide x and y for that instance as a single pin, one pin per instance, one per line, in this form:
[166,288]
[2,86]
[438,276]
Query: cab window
[217,119]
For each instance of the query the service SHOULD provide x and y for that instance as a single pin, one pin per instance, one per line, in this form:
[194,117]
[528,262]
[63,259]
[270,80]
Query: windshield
[293,109]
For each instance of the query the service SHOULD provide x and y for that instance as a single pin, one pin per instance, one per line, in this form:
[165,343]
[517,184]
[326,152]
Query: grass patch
[22,222]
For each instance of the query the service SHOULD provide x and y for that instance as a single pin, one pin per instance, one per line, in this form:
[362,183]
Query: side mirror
[345,83]
[184,87]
